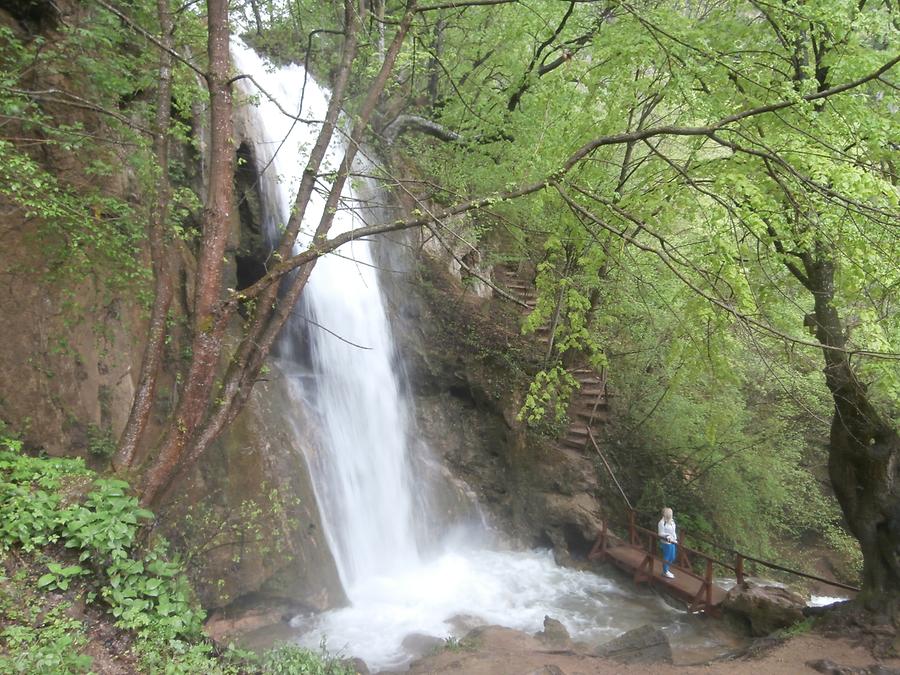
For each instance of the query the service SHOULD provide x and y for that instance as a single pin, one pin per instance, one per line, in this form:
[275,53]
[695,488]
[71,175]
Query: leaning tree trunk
[208,332]
[145,394]
[199,420]
[864,452]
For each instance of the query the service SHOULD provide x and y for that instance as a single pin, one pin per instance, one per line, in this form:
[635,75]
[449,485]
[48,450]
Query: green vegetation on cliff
[75,565]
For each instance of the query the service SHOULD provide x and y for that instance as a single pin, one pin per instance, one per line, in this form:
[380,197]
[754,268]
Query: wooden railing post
[709,577]
[631,532]
[739,569]
[603,539]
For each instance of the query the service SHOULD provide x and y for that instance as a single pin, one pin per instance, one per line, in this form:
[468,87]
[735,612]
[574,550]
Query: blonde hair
[667,513]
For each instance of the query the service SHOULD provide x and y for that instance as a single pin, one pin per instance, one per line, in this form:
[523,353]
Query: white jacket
[665,529]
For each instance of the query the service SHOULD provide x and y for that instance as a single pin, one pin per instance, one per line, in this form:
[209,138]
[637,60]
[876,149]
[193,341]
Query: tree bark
[864,452]
[208,331]
[261,338]
[145,395]
[403,123]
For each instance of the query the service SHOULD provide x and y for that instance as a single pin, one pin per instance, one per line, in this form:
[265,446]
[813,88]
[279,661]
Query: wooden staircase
[588,409]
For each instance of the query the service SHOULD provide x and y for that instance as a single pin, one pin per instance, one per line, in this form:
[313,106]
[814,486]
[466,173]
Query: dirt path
[500,651]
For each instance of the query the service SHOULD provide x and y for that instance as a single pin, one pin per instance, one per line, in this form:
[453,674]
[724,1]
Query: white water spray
[368,500]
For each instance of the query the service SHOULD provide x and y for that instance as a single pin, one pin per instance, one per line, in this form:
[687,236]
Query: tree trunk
[208,329]
[261,337]
[864,453]
[195,425]
[145,395]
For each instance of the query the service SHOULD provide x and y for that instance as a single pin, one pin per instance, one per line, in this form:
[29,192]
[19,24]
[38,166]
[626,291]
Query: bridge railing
[731,560]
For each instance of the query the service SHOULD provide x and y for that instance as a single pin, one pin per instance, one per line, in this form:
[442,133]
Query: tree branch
[667,260]
[149,36]
[404,123]
[523,87]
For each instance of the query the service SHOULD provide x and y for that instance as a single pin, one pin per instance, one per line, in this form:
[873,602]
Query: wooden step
[578,443]
[592,392]
[585,408]
[599,416]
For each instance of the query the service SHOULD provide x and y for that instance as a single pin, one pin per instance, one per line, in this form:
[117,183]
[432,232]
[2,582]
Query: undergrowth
[70,543]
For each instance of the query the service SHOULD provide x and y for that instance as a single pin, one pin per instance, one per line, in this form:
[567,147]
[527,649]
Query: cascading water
[337,355]
[361,474]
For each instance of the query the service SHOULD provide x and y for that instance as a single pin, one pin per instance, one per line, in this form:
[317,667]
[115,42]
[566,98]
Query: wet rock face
[469,369]
[247,516]
[767,608]
[647,644]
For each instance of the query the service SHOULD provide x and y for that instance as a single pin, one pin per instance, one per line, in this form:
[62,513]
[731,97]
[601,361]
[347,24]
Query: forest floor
[500,651]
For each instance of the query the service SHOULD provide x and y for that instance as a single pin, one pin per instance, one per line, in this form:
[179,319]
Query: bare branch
[149,36]
[404,123]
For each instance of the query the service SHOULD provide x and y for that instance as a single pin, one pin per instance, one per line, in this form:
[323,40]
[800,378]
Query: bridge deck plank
[685,585]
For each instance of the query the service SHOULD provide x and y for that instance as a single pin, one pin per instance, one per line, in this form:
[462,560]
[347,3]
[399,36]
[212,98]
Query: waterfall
[338,358]
[361,472]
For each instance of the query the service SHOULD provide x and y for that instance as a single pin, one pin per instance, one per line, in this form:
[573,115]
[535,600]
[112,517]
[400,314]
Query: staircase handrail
[601,396]
[609,468]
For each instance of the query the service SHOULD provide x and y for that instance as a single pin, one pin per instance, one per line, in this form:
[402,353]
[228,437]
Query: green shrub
[101,443]
[288,659]
[52,646]
[143,590]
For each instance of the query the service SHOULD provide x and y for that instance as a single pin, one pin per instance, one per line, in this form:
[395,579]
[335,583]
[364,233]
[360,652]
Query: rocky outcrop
[469,369]
[248,516]
[68,341]
[647,644]
[766,608]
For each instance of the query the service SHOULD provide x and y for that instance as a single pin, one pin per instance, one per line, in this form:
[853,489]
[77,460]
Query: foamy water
[448,595]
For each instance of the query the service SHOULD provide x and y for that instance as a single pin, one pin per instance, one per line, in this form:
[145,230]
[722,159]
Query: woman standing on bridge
[667,540]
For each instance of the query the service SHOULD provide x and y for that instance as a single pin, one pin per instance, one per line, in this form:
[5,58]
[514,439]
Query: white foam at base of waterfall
[455,591]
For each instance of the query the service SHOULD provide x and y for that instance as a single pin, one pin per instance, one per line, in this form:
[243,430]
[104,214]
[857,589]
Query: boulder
[222,625]
[421,644]
[647,644]
[767,608]
[831,668]
[554,633]
[356,666]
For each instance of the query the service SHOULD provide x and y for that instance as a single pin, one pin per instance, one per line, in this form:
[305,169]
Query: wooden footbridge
[638,554]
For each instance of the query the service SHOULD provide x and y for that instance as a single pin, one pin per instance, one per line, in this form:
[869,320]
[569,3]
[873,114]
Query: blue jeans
[668,554]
